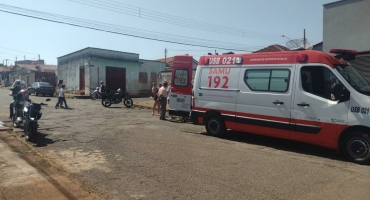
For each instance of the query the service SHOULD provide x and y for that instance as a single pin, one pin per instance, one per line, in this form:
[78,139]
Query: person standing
[155,97]
[102,87]
[162,98]
[61,97]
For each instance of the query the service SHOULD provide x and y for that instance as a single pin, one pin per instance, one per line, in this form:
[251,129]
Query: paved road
[129,154]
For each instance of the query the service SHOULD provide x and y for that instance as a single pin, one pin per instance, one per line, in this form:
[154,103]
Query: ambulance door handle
[278,103]
[303,104]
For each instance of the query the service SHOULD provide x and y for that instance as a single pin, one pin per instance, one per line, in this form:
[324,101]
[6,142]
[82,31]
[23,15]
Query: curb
[3,127]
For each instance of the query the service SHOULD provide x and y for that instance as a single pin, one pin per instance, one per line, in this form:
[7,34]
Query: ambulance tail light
[206,61]
[344,53]
[238,60]
[302,58]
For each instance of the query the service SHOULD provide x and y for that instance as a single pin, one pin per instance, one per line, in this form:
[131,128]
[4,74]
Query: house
[346,25]
[272,48]
[318,46]
[31,73]
[167,73]
[81,71]
[5,71]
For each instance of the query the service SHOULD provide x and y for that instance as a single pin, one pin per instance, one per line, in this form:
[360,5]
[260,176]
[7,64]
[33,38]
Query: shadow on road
[41,140]
[280,144]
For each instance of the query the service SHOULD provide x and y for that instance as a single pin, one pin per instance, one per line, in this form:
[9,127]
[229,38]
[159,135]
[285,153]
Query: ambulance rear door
[181,86]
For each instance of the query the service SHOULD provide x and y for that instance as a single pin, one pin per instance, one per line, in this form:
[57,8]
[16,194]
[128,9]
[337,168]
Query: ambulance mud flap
[195,114]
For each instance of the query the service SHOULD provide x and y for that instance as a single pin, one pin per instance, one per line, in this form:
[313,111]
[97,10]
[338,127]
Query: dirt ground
[129,154]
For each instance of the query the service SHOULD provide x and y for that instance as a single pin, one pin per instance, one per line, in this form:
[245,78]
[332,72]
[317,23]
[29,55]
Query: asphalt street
[130,154]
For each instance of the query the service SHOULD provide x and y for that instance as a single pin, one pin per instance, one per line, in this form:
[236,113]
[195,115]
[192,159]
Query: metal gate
[116,78]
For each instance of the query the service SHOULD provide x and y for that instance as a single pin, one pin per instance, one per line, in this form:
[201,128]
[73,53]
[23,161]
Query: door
[316,117]
[264,100]
[116,78]
[181,86]
[82,78]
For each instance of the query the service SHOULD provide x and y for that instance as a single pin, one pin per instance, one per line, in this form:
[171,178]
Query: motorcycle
[96,94]
[32,112]
[109,99]
[18,106]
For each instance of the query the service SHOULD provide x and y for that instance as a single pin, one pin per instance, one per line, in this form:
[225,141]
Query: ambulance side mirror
[339,93]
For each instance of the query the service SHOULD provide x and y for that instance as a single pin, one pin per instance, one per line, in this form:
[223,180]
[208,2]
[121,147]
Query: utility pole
[24,57]
[304,38]
[165,57]
[6,62]
[39,56]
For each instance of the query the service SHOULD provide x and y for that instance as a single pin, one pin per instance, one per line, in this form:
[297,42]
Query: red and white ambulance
[303,95]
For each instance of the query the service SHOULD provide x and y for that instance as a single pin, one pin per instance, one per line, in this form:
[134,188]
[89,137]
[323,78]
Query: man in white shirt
[61,97]
[162,98]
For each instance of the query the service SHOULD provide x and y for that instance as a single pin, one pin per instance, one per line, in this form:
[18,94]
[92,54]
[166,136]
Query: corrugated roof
[6,69]
[273,48]
[30,67]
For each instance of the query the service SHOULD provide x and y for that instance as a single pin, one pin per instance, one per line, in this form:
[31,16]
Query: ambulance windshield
[354,78]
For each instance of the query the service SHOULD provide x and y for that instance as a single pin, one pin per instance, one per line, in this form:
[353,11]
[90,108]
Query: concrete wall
[70,74]
[347,25]
[132,74]
[148,67]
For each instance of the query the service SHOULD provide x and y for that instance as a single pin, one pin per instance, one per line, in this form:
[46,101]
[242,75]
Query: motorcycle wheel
[128,102]
[106,102]
[30,130]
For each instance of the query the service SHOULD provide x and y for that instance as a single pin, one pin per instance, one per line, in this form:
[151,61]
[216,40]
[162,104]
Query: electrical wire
[156,16]
[18,51]
[114,29]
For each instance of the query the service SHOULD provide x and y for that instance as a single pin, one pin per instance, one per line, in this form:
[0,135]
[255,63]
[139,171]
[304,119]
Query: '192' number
[215,81]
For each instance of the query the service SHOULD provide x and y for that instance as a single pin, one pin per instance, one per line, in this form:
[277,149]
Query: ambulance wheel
[356,147]
[215,125]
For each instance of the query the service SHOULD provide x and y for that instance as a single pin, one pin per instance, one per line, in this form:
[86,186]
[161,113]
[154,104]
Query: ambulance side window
[318,80]
[272,80]
[181,77]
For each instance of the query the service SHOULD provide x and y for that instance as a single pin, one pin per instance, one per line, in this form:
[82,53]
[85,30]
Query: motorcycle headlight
[25,109]
[40,111]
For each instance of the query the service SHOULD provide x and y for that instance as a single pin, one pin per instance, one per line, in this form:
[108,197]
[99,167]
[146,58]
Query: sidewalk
[26,175]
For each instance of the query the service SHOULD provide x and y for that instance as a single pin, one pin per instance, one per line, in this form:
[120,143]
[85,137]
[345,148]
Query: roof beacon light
[302,57]
[344,54]
[206,61]
[339,51]
[238,60]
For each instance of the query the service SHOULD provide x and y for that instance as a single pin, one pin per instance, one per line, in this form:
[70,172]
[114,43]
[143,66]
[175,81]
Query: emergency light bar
[344,53]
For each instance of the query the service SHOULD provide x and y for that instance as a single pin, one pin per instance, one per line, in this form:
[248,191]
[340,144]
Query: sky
[235,25]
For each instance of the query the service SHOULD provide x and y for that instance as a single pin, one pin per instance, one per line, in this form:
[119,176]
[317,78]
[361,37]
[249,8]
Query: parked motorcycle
[96,94]
[109,99]
[20,99]
[32,112]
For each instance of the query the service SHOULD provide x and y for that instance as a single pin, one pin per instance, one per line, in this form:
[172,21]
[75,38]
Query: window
[181,77]
[318,80]
[273,80]
[44,84]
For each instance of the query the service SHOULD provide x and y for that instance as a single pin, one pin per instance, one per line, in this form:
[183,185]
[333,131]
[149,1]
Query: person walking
[155,97]
[162,98]
[61,97]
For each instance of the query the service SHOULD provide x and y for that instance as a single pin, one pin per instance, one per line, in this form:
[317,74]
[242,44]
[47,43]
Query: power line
[113,29]
[18,51]
[170,19]
[89,22]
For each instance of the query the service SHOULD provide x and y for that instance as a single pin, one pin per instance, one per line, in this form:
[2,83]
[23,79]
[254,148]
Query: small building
[5,71]
[31,73]
[272,48]
[346,25]
[81,71]
[166,74]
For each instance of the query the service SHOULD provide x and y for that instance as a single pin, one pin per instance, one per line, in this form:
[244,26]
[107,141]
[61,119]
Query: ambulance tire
[215,125]
[356,147]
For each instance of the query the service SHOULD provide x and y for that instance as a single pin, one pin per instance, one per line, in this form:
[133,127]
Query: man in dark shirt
[16,87]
